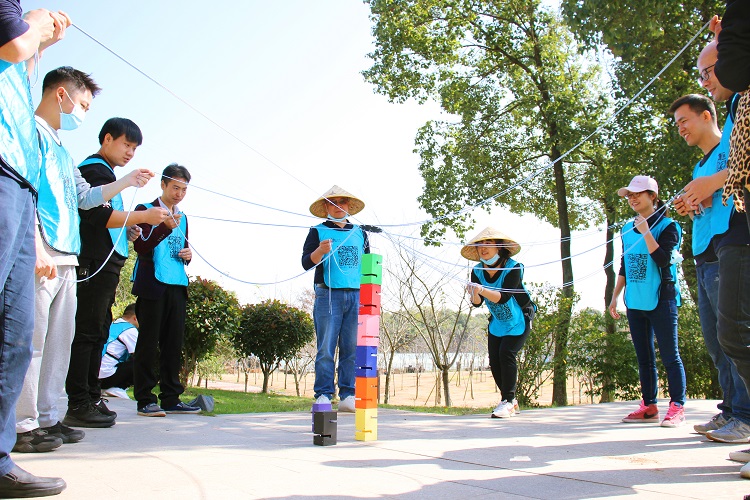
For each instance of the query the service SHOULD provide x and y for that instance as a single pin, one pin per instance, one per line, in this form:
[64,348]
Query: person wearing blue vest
[695,117]
[335,247]
[648,273]
[160,284]
[104,248]
[497,282]
[22,38]
[116,371]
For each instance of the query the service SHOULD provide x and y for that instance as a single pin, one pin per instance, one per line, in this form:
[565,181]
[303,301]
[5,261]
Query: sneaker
[36,441]
[675,416]
[516,408]
[504,410]
[64,432]
[735,431]
[347,404]
[717,422]
[99,405]
[87,415]
[740,456]
[151,410]
[644,413]
[182,408]
[116,392]
[745,471]
[323,400]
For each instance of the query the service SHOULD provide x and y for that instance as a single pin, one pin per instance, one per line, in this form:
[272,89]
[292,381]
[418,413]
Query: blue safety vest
[342,268]
[115,330]
[57,203]
[118,235]
[169,268]
[506,318]
[643,278]
[19,146]
[715,219]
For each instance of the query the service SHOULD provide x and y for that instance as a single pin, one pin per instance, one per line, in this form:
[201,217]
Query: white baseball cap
[639,184]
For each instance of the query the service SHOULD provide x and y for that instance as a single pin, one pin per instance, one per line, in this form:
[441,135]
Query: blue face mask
[334,219]
[492,261]
[72,120]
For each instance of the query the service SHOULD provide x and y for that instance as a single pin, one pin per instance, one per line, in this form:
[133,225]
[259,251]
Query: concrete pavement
[554,453]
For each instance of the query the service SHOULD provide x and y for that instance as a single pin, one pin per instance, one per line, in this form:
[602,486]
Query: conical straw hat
[318,208]
[489,233]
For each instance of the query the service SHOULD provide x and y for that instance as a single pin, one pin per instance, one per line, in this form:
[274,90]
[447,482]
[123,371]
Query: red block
[369,299]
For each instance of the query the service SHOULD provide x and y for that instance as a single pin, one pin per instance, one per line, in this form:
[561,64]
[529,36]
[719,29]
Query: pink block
[368,330]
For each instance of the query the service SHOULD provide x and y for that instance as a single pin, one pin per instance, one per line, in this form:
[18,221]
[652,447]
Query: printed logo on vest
[175,245]
[348,256]
[501,312]
[636,267]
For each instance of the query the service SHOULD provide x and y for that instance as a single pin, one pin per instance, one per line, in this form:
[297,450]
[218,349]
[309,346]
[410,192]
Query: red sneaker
[645,413]
[675,416]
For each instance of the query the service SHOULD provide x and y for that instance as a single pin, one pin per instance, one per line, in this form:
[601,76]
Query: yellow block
[366,424]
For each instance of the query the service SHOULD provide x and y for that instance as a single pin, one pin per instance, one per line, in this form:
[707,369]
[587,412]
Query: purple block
[321,407]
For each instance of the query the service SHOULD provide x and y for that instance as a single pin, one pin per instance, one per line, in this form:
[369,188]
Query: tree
[396,334]
[272,331]
[510,72]
[426,297]
[212,312]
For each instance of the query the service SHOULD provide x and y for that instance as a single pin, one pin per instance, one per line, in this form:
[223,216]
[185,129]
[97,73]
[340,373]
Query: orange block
[366,392]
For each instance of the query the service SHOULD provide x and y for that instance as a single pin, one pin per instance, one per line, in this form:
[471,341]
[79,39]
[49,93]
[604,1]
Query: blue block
[367,361]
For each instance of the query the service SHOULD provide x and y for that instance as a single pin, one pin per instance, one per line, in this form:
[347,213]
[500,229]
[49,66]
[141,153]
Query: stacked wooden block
[368,337]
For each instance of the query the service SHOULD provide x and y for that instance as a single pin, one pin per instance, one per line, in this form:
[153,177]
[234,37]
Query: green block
[372,265]
[371,280]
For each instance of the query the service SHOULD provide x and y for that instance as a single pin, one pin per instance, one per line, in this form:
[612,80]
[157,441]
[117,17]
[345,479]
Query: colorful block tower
[368,336]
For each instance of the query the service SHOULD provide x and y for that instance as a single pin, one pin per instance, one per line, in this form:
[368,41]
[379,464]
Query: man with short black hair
[104,248]
[116,372]
[161,287]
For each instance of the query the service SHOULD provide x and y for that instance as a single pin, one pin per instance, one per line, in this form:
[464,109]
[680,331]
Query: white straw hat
[318,208]
[639,184]
[489,233]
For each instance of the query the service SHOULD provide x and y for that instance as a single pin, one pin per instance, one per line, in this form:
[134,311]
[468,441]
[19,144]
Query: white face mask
[72,120]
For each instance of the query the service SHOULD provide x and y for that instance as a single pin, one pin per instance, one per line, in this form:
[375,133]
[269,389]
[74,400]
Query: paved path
[573,452]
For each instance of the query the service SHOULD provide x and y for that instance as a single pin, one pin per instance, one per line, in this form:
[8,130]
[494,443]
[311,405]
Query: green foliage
[123,297]
[272,331]
[535,360]
[212,312]
[606,360]
[233,402]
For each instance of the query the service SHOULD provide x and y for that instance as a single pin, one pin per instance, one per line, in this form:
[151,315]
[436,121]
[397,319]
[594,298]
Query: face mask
[491,261]
[71,121]
[334,219]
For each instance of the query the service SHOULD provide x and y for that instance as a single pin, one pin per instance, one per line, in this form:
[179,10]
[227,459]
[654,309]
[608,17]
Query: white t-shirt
[124,343]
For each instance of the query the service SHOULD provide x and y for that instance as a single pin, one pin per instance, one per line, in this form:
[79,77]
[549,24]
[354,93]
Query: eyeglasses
[634,195]
[705,75]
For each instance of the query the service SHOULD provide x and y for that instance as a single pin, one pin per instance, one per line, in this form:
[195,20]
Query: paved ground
[573,452]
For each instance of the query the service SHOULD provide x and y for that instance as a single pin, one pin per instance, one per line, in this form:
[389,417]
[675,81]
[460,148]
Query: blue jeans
[662,324]
[17,259]
[335,316]
[734,307]
[736,400]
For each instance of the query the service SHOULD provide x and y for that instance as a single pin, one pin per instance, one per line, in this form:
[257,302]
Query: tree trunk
[266,377]
[446,386]
[246,378]
[609,288]
[389,368]
[560,374]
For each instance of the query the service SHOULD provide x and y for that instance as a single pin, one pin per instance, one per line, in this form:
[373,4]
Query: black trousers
[122,378]
[93,317]
[162,330]
[503,364]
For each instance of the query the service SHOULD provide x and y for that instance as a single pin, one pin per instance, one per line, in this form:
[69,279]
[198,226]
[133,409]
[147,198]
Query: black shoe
[87,415]
[64,432]
[36,441]
[20,484]
[182,408]
[103,408]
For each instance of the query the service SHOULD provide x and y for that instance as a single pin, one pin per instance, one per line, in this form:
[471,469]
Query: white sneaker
[503,410]
[347,404]
[115,392]
[323,400]
[740,456]
[516,408]
[745,471]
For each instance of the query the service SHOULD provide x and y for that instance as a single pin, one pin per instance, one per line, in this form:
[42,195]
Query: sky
[283,82]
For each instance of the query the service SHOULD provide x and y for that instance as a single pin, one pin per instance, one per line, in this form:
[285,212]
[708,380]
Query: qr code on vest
[500,311]
[636,266]
[175,245]
[348,256]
